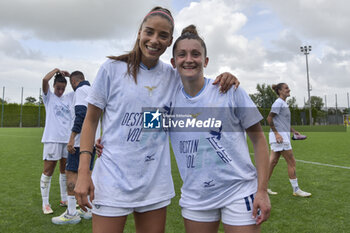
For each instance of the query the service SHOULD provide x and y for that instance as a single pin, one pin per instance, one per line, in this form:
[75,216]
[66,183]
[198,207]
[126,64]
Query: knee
[48,171]
[62,170]
[291,162]
[274,162]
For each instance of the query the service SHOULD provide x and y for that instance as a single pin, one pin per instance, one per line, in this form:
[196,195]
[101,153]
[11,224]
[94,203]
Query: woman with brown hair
[133,175]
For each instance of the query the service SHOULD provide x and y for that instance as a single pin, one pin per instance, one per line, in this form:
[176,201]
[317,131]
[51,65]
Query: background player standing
[81,88]
[56,134]
[279,137]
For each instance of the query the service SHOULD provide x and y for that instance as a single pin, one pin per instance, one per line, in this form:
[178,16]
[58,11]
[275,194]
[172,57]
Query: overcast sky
[256,40]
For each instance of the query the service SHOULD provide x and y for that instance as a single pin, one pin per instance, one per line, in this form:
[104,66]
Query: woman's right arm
[84,185]
[279,138]
[47,78]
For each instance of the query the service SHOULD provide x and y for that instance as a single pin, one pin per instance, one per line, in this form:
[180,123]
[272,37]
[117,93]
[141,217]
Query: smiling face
[154,37]
[189,59]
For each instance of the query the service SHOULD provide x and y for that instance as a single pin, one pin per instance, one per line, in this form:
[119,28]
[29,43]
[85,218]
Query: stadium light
[306,50]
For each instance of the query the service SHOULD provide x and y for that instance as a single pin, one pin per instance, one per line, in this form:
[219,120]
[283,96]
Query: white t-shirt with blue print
[134,169]
[281,120]
[58,117]
[214,163]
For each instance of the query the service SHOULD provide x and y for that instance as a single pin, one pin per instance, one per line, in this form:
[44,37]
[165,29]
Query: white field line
[19,136]
[317,163]
[322,164]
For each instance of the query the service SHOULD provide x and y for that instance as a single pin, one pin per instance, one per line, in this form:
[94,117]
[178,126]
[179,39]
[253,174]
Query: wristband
[86,152]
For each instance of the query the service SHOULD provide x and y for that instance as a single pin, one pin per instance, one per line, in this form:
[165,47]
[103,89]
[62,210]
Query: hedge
[30,115]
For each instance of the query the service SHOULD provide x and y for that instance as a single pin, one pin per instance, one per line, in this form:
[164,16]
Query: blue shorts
[73,160]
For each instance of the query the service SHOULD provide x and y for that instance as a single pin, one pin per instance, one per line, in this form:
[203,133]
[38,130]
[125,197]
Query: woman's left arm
[261,153]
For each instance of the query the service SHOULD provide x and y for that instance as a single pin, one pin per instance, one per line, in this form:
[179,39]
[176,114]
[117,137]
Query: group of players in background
[133,173]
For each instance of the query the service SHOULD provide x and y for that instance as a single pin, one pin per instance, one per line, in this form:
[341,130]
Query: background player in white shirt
[279,137]
[56,134]
[133,174]
[219,179]
[81,89]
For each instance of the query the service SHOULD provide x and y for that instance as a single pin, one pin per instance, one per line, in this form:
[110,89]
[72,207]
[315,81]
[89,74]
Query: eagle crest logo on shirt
[150,89]
[195,115]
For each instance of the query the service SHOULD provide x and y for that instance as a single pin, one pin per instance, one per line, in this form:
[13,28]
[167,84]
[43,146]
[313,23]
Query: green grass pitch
[326,211]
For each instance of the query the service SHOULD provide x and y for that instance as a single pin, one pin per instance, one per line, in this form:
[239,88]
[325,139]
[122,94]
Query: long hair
[133,58]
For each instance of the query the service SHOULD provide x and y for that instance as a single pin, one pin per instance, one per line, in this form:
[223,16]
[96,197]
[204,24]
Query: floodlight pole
[20,117]
[2,107]
[306,50]
[39,107]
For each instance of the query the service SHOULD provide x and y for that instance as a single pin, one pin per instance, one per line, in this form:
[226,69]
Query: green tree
[40,100]
[265,96]
[30,100]
[292,102]
[317,103]
[5,102]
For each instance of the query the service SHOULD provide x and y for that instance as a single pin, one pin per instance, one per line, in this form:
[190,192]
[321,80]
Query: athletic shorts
[73,160]
[108,211]
[238,213]
[55,151]
[280,146]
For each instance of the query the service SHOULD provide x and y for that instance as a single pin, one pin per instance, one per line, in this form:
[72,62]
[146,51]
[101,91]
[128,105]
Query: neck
[283,97]
[149,63]
[193,86]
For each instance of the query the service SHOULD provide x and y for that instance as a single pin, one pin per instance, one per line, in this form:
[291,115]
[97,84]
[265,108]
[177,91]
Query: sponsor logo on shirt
[149,158]
[208,184]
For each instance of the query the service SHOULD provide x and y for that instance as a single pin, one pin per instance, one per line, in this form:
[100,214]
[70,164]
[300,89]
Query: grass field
[326,211]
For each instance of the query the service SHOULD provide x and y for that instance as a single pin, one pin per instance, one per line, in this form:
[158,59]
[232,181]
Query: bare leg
[150,221]
[101,224]
[242,229]
[71,181]
[63,165]
[289,157]
[274,158]
[49,167]
[201,227]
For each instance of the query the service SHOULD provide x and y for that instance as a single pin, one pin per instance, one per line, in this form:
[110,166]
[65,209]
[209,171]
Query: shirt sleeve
[46,98]
[80,108]
[276,107]
[99,93]
[81,97]
[245,109]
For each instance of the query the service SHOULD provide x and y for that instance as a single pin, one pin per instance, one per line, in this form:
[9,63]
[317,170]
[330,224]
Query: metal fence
[24,114]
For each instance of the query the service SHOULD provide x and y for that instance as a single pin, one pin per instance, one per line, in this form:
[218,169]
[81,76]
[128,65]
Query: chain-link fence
[30,112]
